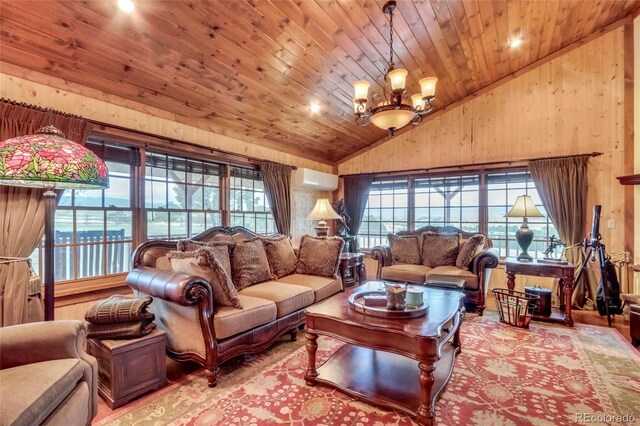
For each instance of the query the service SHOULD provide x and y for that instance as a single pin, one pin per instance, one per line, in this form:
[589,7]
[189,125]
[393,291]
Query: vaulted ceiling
[251,69]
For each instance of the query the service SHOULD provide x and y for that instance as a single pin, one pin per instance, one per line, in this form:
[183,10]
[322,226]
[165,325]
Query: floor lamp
[48,160]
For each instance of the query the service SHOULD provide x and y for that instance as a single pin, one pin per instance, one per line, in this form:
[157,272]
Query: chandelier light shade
[524,207]
[48,160]
[393,113]
[321,212]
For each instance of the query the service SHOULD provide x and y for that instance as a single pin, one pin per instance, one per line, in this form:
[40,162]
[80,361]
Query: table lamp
[48,160]
[524,208]
[320,212]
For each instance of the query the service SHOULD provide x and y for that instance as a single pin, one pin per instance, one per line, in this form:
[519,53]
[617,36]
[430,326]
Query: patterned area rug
[547,375]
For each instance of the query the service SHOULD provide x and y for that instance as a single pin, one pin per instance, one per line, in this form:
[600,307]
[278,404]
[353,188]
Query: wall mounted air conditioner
[313,179]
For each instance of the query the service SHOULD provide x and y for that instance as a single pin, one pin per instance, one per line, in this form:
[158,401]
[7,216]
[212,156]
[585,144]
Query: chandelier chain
[391,38]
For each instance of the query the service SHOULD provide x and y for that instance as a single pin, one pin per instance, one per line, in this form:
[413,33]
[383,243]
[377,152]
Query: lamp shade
[392,118]
[361,89]
[48,159]
[524,207]
[398,78]
[428,86]
[323,210]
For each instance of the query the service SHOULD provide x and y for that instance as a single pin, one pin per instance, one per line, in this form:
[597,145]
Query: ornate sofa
[198,329]
[474,281]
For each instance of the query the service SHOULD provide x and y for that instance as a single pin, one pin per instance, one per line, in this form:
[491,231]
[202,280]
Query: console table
[349,262]
[564,274]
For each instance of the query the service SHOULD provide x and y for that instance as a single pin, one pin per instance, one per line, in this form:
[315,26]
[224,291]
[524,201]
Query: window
[386,212]
[449,200]
[397,204]
[248,203]
[502,191]
[93,234]
[182,196]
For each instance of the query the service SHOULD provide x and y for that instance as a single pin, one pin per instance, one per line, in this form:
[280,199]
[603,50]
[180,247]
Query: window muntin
[182,196]
[93,229]
[248,202]
[386,212]
[502,191]
[396,204]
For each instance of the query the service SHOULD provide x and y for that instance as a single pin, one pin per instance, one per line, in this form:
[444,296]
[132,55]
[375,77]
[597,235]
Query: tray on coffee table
[356,302]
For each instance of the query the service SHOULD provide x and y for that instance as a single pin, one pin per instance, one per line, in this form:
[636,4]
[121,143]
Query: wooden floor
[593,318]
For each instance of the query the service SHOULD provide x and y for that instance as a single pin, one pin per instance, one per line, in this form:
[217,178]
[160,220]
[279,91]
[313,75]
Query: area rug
[546,375]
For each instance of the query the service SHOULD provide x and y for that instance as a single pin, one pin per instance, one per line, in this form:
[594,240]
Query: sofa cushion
[287,297]
[30,393]
[282,258]
[229,321]
[439,249]
[319,256]
[250,264]
[470,278]
[405,248]
[322,287]
[205,262]
[468,249]
[415,274]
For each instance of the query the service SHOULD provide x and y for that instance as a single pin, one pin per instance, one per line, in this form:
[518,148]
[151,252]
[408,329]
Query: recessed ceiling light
[126,5]
[315,108]
[515,42]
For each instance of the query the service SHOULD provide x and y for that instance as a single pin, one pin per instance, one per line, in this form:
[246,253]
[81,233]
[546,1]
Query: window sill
[88,289]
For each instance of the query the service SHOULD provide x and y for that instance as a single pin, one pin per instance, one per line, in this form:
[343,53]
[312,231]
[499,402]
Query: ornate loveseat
[473,277]
[201,330]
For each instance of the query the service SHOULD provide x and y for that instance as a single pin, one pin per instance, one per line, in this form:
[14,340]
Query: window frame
[483,202]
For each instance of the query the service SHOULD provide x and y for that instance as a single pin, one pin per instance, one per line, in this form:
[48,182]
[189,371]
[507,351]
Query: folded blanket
[119,309]
[120,330]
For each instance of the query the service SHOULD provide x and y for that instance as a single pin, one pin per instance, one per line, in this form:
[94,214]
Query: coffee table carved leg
[511,280]
[426,412]
[457,344]
[312,346]
[567,286]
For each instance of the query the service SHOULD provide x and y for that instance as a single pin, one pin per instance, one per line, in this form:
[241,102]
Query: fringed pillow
[319,256]
[440,249]
[207,262]
[282,259]
[405,248]
[468,250]
[250,264]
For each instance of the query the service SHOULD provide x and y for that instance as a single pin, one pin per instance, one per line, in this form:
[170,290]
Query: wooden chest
[129,368]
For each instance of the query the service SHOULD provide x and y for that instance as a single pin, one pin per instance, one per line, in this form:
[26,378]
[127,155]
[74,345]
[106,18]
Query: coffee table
[399,363]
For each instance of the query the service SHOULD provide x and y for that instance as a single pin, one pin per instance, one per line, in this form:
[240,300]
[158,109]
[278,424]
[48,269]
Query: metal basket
[515,307]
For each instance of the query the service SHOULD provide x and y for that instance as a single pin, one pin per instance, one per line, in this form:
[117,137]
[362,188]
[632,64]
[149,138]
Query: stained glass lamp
[48,160]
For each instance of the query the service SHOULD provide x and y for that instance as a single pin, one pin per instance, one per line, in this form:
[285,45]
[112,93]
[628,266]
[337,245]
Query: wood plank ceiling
[251,69]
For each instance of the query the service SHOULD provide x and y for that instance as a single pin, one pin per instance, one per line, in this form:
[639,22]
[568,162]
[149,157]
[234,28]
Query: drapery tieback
[9,259]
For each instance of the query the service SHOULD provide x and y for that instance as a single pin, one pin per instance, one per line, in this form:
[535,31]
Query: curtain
[22,214]
[562,185]
[277,186]
[356,194]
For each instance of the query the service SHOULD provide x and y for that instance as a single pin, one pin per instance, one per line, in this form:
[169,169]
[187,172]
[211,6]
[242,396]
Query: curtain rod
[491,163]
[41,109]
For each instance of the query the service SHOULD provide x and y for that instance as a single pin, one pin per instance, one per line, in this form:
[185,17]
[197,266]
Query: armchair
[46,376]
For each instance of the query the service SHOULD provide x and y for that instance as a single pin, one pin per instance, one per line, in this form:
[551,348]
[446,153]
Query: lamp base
[524,237]
[322,231]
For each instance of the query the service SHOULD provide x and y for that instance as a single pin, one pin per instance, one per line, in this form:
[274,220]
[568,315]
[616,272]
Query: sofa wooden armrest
[383,255]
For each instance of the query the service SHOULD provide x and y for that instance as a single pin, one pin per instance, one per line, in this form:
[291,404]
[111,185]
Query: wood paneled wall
[22,85]
[573,104]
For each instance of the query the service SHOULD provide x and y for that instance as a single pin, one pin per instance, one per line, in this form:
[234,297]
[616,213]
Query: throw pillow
[282,259]
[221,249]
[205,263]
[468,249]
[405,248]
[439,249]
[319,256]
[250,264]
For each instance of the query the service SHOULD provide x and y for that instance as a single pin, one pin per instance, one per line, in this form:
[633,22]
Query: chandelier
[393,113]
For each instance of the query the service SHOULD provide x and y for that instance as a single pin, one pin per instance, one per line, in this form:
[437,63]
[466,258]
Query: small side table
[349,262]
[564,274]
[129,368]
